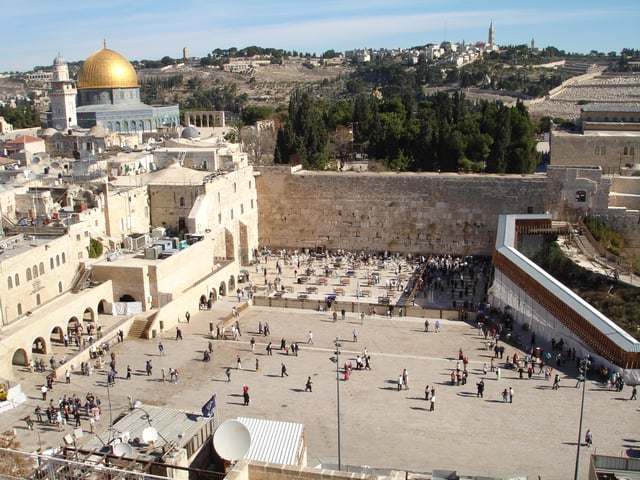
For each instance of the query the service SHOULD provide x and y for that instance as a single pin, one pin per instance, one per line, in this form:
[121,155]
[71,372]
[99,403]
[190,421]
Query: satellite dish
[55,165]
[232,440]
[149,435]
[35,160]
[122,450]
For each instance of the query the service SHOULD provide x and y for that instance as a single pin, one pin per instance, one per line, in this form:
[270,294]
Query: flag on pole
[207,408]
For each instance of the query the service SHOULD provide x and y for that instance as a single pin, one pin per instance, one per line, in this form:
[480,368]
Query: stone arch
[222,289]
[39,346]
[88,315]
[213,295]
[116,127]
[133,126]
[20,357]
[102,307]
[72,325]
[57,335]
[126,298]
[232,283]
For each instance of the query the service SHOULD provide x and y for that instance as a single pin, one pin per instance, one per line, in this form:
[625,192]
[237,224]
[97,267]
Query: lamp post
[585,368]
[336,359]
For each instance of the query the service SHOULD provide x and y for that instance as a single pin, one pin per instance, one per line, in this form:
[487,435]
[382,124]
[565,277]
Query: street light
[585,367]
[336,359]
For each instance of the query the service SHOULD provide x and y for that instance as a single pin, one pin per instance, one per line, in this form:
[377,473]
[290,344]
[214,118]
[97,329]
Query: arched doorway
[57,335]
[88,315]
[213,295]
[101,307]
[232,283]
[39,346]
[20,357]
[222,289]
[73,326]
[126,298]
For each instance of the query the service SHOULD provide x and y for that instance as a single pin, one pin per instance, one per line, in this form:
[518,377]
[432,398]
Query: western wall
[398,212]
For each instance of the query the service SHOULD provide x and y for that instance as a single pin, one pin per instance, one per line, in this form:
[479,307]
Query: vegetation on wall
[95,248]
[605,235]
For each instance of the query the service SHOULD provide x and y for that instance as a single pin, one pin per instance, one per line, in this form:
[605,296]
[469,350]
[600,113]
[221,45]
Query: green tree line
[442,132]
[23,115]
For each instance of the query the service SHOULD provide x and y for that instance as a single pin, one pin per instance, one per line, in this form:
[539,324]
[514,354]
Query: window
[38,299]
[64,258]
[241,208]
[19,309]
[59,287]
[603,151]
[235,187]
[28,274]
[41,268]
[9,283]
[625,151]
[232,214]
[182,201]
[57,260]
[17,280]
[220,219]
[632,151]
[581,196]
[51,263]
[34,271]
[250,183]
[252,204]
[78,237]
[86,234]
[597,150]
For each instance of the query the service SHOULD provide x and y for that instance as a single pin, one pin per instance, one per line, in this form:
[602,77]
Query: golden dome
[107,69]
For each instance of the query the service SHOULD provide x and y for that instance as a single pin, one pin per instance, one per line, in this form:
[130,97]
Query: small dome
[98,131]
[48,132]
[59,60]
[107,69]
[190,132]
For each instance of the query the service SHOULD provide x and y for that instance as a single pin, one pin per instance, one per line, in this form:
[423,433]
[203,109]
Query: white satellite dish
[122,450]
[149,435]
[232,440]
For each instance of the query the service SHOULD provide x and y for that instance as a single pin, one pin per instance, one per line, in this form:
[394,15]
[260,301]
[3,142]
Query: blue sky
[32,32]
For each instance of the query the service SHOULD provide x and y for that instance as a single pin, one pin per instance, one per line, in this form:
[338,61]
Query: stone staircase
[140,327]
[82,279]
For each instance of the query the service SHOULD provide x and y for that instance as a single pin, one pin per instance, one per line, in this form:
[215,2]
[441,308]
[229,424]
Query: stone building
[609,138]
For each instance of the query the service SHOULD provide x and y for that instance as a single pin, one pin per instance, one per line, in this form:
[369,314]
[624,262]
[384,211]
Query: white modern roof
[505,245]
[274,441]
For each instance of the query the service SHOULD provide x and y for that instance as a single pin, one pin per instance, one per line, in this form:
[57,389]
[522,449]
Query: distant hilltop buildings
[455,53]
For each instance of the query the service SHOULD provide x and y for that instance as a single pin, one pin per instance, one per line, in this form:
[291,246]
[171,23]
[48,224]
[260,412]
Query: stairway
[139,328]
[81,283]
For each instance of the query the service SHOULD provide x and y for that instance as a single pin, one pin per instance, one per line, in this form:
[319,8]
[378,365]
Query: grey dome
[190,132]
[59,60]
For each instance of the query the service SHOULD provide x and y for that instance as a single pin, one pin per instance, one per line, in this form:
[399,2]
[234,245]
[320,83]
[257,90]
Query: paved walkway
[380,426]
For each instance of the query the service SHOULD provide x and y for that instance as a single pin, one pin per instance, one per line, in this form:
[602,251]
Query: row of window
[626,151]
[35,271]
[38,300]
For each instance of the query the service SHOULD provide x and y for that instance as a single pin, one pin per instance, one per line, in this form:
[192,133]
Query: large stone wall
[405,212]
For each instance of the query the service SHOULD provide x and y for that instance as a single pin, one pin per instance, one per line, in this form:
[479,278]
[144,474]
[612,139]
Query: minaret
[63,96]
[492,36]
[533,43]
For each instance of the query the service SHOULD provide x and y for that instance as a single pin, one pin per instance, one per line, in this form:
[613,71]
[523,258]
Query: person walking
[399,382]
[426,326]
[355,335]
[480,386]
[634,393]
[187,316]
[510,395]
[405,379]
[67,377]
[283,370]
[269,349]
[43,391]
[556,382]
[149,367]
[437,326]
[252,342]
[505,396]
[245,395]
[227,372]
[161,349]
[238,363]
[588,438]
[128,372]
[310,337]
[433,402]
[178,333]
[307,386]
[427,390]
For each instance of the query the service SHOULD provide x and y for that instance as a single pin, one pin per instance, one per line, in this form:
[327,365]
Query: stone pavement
[380,426]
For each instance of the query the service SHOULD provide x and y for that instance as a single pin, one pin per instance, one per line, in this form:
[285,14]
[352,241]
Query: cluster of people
[66,409]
